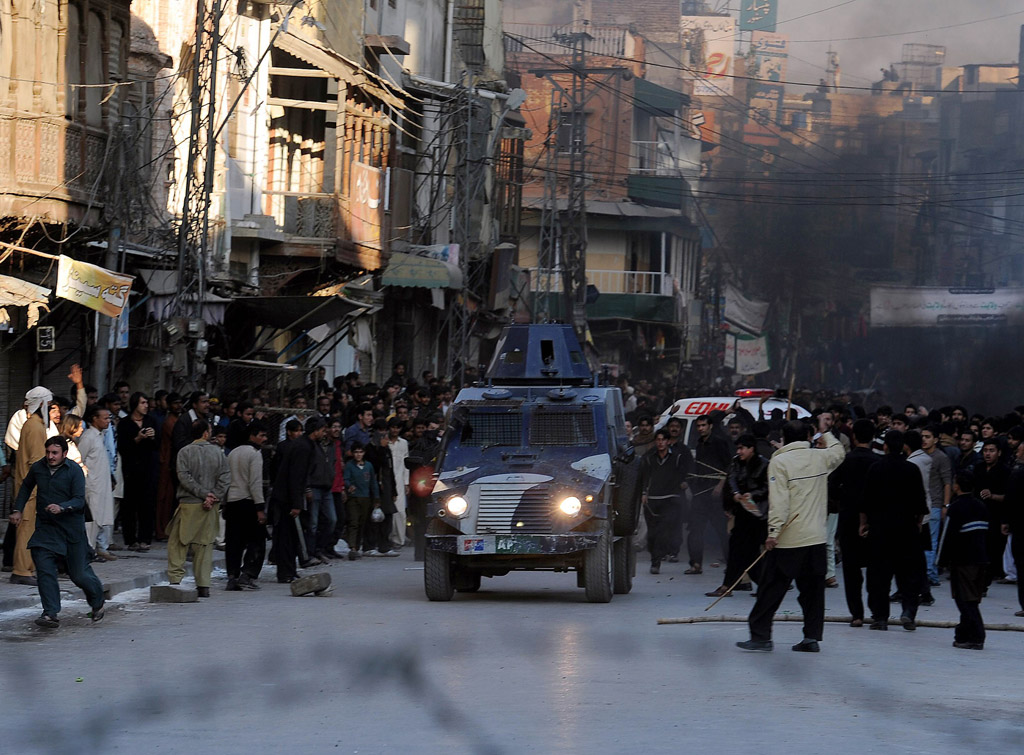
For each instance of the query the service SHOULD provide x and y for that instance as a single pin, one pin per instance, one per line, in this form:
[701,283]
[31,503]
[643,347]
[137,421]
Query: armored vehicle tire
[437,575]
[597,569]
[627,499]
[467,580]
[625,565]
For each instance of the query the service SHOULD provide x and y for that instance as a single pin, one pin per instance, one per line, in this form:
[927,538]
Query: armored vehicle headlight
[457,505]
[570,506]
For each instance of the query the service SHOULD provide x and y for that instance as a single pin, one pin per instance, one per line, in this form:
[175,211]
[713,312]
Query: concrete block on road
[172,594]
[310,584]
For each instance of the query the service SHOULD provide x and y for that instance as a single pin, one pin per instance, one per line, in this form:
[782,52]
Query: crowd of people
[908,496]
[341,470]
[327,469]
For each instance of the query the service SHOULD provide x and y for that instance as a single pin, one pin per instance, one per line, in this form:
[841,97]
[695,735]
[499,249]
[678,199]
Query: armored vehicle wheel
[597,569]
[627,499]
[625,565]
[467,580]
[437,575]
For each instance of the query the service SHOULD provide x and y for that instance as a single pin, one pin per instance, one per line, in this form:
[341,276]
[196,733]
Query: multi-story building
[641,160]
[67,108]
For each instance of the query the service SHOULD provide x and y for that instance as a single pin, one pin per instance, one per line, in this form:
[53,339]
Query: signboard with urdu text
[93,286]
[758,15]
[920,306]
[366,205]
[747,355]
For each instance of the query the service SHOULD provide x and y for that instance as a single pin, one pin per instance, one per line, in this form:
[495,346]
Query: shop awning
[412,271]
[15,292]
[295,311]
[340,67]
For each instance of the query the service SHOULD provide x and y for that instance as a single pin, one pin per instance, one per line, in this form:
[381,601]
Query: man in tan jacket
[797,532]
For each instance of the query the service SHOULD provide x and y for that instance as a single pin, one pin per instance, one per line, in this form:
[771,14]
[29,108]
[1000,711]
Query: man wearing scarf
[31,448]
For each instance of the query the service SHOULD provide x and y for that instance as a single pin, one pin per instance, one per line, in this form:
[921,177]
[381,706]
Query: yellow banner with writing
[93,286]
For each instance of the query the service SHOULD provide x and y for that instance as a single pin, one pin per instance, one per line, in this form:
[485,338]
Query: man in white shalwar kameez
[98,485]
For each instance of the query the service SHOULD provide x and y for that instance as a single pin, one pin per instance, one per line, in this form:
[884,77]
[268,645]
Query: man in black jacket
[846,485]
[713,454]
[990,478]
[964,552]
[662,480]
[288,498]
[746,502]
[1013,521]
[892,512]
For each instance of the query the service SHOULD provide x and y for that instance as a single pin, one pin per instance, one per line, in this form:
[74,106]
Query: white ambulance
[688,409]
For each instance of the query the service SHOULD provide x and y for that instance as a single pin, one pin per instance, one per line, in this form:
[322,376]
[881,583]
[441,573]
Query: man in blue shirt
[360,431]
[60,530]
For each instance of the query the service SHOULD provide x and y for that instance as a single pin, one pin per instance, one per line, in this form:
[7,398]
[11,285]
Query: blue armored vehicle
[534,474]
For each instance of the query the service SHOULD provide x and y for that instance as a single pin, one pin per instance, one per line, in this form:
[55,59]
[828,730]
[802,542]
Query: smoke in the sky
[855,29]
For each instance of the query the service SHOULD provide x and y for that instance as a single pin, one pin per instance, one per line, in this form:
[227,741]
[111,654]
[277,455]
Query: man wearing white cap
[31,448]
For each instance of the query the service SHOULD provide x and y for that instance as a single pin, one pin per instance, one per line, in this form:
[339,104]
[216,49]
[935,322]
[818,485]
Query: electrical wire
[697,73]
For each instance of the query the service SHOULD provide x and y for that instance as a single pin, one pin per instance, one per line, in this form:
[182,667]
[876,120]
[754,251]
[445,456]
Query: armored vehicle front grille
[573,427]
[493,429]
[502,506]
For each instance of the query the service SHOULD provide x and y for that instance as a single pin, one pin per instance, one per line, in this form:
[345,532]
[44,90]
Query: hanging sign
[93,286]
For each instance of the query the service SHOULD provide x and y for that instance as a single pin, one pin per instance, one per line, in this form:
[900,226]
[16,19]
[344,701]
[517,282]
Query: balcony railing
[638,282]
[663,158]
[306,215]
[653,159]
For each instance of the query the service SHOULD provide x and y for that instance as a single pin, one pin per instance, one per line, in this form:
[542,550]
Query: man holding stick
[797,532]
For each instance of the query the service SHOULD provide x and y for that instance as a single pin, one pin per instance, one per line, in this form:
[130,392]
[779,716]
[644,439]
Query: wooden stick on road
[728,592]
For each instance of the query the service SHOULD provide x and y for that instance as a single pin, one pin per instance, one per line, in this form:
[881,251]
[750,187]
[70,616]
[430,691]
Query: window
[72,63]
[94,70]
[562,427]
[486,429]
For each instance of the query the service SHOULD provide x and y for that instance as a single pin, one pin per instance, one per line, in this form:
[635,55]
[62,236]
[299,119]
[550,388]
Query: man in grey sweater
[203,481]
[245,535]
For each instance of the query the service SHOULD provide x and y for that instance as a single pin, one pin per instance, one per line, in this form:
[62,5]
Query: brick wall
[649,16]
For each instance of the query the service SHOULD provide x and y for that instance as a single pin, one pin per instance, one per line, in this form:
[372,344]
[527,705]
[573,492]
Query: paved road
[523,666]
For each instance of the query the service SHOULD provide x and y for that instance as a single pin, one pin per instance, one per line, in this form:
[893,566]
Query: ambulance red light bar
[755,393]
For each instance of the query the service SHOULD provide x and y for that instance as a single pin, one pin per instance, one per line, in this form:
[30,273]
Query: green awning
[411,271]
[658,100]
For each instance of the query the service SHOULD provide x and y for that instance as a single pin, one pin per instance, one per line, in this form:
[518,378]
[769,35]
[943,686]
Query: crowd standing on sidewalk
[913,495]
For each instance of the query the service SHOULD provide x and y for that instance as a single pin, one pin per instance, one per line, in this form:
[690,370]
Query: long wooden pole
[728,592]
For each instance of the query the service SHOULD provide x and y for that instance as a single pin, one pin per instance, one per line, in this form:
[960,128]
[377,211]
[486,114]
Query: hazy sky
[994,41]
[988,41]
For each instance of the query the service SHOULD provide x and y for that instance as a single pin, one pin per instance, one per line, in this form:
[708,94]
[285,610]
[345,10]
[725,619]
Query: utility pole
[563,233]
[574,222]
[194,230]
[468,165]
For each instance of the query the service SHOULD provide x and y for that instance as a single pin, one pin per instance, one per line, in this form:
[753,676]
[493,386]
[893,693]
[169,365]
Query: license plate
[473,545]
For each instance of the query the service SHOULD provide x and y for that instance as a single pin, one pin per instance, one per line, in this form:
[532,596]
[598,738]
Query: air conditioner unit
[258,9]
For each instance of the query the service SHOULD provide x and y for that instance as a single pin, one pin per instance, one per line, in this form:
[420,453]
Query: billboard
[716,36]
[758,15]
[923,307]
[771,54]
[767,91]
